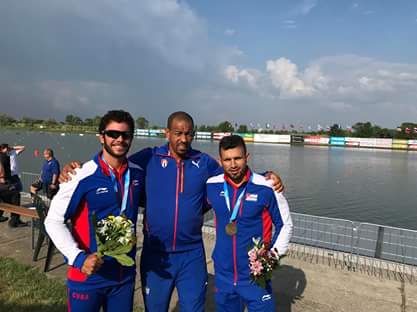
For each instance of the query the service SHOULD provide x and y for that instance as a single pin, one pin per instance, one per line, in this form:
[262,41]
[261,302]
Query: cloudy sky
[304,62]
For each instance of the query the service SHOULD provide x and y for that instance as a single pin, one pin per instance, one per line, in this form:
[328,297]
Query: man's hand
[67,170]
[91,264]
[276,181]
[52,186]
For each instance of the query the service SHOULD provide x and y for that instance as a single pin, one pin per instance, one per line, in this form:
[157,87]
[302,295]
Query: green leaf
[121,249]
[124,260]
[261,282]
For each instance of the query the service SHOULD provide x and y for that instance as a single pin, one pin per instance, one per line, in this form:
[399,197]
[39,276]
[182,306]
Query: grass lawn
[24,288]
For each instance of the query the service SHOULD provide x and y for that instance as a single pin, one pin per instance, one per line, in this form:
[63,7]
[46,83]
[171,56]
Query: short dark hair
[3,146]
[50,151]
[180,116]
[117,116]
[231,141]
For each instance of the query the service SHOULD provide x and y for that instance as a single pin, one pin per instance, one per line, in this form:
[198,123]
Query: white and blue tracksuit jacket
[90,191]
[260,208]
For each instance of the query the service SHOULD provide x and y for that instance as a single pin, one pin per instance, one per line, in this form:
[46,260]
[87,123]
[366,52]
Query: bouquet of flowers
[262,261]
[115,238]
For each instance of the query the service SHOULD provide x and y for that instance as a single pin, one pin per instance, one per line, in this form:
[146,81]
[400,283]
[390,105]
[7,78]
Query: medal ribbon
[237,204]
[116,188]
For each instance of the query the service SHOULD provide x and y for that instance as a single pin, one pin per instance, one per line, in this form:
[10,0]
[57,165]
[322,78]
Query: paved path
[300,286]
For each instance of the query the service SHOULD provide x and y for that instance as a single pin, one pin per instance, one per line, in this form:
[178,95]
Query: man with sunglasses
[106,185]
[173,253]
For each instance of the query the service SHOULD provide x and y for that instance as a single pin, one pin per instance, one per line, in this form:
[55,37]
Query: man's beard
[109,150]
[238,178]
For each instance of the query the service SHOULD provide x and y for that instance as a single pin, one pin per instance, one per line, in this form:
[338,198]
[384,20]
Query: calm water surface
[377,186]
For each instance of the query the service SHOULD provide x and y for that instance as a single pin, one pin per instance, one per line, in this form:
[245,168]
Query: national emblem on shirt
[164,163]
[251,197]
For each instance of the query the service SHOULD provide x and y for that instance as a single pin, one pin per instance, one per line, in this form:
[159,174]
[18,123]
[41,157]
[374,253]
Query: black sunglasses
[114,134]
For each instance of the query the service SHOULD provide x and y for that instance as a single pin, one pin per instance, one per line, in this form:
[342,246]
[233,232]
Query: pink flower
[256,268]
[252,255]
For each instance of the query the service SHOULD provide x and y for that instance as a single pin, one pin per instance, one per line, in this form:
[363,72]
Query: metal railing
[379,250]
[27,179]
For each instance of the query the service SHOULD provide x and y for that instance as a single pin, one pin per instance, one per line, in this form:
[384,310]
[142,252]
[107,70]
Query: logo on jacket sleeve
[164,163]
[102,190]
[251,197]
[196,163]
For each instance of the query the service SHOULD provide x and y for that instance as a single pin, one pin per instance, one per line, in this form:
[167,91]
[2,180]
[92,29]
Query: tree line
[407,130]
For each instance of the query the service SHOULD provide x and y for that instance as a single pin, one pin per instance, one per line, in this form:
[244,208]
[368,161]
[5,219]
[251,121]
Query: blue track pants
[112,299]
[162,272]
[254,297]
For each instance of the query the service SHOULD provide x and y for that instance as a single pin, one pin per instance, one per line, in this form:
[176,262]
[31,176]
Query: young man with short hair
[106,185]
[245,207]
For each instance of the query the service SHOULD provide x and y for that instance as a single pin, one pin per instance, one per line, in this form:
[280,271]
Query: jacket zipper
[179,188]
[234,242]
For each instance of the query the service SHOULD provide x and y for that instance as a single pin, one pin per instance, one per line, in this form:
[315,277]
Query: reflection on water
[377,186]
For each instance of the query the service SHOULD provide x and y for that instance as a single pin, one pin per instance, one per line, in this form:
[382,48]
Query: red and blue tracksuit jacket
[90,191]
[175,197]
[260,208]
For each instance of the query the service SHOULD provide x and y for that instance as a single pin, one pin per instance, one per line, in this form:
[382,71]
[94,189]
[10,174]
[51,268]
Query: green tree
[242,129]
[364,129]
[6,120]
[225,126]
[142,123]
[407,131]
[28,121]
[69,119]
[50,122]
[73,120]
[336,130]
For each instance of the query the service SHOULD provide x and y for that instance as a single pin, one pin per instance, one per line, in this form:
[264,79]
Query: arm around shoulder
[282,217]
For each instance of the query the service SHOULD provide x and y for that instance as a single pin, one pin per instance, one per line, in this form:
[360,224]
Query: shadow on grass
[288,284]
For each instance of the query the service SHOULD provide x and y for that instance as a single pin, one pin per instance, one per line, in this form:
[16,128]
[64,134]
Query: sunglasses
[114,134]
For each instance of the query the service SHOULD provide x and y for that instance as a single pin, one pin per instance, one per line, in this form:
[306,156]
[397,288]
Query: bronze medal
[231,229]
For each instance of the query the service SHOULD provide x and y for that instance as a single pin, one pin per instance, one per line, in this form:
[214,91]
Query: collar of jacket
[105,168]
[163,151]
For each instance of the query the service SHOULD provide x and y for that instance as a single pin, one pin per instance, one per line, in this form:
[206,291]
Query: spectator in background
[48,181]
[13,152]
[9,192]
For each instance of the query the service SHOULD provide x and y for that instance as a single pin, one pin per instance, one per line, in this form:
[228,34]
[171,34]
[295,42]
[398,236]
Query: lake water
[377,186]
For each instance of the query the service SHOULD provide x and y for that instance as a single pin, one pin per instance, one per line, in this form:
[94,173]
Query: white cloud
[355,5]
[299,9]
[306,6]
[347,84]
[289,24]
[140,47]
[230,32]
[285,77]
[234,74]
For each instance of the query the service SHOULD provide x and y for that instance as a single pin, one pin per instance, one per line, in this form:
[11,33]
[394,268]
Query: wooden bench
[22,211]
[32,213]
